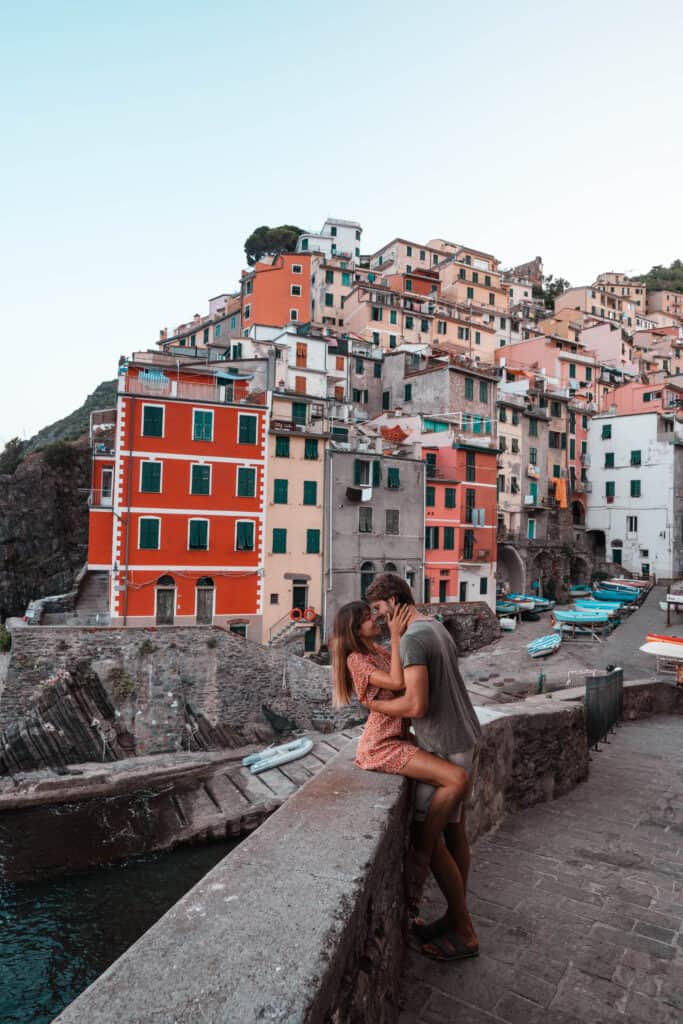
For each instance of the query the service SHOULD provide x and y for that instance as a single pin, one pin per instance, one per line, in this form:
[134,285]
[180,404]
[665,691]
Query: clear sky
[143,141]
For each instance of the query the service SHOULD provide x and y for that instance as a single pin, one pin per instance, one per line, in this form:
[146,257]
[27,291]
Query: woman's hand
[397,621]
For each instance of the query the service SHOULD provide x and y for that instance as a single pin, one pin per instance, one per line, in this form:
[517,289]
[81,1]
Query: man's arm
[415,701]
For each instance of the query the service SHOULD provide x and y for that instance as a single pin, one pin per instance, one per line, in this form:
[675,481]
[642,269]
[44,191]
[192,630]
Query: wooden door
[204,606]
[165,606]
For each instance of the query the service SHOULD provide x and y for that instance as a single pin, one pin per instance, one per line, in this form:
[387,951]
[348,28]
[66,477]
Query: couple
[419,680]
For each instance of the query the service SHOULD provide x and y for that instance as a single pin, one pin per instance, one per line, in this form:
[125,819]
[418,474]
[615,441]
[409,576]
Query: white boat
[273,757]
[507,623]
[542,646]
[660,649]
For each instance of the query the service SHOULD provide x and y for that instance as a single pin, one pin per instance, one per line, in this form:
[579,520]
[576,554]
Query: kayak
[615,595]
[506,607]
[620,588]
[273,757]
[544,645]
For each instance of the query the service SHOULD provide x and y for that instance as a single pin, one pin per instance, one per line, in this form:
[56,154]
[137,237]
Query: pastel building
[663,301]
[600,302]
[335,238]
[277,291]
[176,519]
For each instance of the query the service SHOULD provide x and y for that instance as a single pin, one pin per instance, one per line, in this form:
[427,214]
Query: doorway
[463,591]
[300,596]
[165,601]
[205,591]
[443,588]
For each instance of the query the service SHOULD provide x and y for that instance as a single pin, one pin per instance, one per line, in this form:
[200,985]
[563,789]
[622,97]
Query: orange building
[177,505]
[460,523]
[277,292]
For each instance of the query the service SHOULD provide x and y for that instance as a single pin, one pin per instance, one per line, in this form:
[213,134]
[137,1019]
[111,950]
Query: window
[200,480]
[635,489]
[329,299]
[304,244]
[153,421]
[477,337]
[572,370]
[312,542]
[635,458]
[198,536]
[533,456]
[483,391]
[468,545]
[470,467]
[424,326]
[553,439]
[150,477]
[422,254]
[148,539]
[441,327]
[299,412]
[431,537]
[533,428]
[409,250]
[409,284]
[329,277]
[393,316]
[531,529]
[555,409]
[606,431]
[217,331]
[237,350]
[514,485]
[475,277]
[408,392]
[346,279]
[246,482]
[572,448]
[376,313]
[246,433]
[483,585]
[377,370]
[361,473]
[492,299]
[632,524]
[310,492]
[470,292]
[502,415]
[515,445]
[301,353]
[410,322]
[293,315]
[282,447]
[609,460]
[501,483]
[367,573]
[393,477]
[392,520]
[449,497]
[556,470]
[360,366]
[280,492]
[244,536]
[449,538]
[202,425]
[470,498]
[296,268]
[375,337]
[333,231]
[247,311]
[463,333]
[589,374]
[365,519]
[295,289]
[279,542]
[469,388]
[610,489]
[311,448]
[430,497]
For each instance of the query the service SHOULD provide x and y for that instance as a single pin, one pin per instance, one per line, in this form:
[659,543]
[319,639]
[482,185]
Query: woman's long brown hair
[346,639]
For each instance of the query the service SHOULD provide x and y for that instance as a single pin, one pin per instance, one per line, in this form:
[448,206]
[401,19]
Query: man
[444,723]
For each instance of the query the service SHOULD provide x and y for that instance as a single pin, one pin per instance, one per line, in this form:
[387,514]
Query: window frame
[198,519]
[155,406]
[246,469]
[201,465]
[151,462]
[244,417]
[149,519]
[247,522]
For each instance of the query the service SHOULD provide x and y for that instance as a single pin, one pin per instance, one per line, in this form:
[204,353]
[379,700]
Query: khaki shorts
[467,759]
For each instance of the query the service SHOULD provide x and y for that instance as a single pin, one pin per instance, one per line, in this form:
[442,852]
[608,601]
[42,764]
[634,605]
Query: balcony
[160,386]
[281,426]
[475,555]
[102,498]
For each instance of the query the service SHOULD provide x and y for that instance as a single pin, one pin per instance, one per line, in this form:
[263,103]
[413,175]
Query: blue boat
[544,645]
[506,608]
[594,606]
[581,617]
[541,604]
[620,588]
[580,590]
[273,757]
[614,595]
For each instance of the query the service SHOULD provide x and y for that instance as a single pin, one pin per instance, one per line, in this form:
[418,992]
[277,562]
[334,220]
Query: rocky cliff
[44,485]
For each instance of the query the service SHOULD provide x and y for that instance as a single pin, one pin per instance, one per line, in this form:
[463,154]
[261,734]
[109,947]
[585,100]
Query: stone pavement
[578,902]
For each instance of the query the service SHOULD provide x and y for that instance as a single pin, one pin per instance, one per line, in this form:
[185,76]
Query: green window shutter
[312,542]
[201,480]
[246,482]
[247,430]
[376,473]
[329,277]
[635,458]
[449,538]
[424,326]
[572,370]
[199,535]
[280,492]
[393,316]
[606,431]
[430,497]
[450,497]
[409,323]
[151,477]
[346,279]
[470,293]
[386,399]
[610,489]
[279,542]
[153,421]
[609,460]
[310,492]
[311,448]
[149,534]
[477,337]
[282,447]
[556,470]
[393,477]
[392,341]
[408,392]
[469,388]
[357,471]
[635,488]
[377,371]
[299,412]
[244,540]
[329,299]
[202,426]
[483,391]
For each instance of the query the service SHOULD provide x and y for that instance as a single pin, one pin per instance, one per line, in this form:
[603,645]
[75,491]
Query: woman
[361,665]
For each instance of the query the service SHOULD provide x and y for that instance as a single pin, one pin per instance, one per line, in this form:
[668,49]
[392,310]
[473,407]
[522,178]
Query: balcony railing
[164,387]
[294,427]
[101,498]
[475,555]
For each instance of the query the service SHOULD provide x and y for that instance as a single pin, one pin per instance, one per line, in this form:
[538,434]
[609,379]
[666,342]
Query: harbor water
[57,936]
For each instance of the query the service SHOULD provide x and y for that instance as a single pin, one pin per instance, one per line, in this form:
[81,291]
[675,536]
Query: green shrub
[122,686]
[60,456]
[5,639]
[146,647]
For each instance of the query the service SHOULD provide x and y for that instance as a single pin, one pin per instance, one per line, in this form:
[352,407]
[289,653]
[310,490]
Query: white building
[336,238]
[636,490]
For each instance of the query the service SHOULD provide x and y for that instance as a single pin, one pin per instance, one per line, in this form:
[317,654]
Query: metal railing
[604,705]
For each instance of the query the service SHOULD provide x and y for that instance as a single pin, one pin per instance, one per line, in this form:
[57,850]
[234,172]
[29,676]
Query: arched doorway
[204,603]
[367,575]
[596,543]
[578,513]
[510,569]
[165,601]
[544,574]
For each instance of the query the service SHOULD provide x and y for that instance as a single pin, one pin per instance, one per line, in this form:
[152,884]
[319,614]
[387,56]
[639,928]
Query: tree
[12,455]
[664,278]
[265,241]
[552,287]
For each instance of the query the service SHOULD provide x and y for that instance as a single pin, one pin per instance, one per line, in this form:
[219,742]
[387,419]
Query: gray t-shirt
[450,724]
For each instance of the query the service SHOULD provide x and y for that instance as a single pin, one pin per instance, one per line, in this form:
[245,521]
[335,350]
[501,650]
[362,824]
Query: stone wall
[308,913]
[154,676]
[472,625]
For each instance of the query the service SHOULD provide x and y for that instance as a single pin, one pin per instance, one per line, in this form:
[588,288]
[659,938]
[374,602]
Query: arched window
[165,601]
[166,581]
[390,567]
[367,575]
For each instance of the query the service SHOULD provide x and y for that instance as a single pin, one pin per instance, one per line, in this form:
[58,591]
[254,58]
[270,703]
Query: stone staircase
[92,603]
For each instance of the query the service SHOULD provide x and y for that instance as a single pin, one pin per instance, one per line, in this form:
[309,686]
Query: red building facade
[177,503]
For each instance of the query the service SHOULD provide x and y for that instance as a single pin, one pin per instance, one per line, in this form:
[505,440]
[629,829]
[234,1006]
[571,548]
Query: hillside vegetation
[664,278]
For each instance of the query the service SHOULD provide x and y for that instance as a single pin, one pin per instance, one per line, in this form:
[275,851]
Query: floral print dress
[384,745]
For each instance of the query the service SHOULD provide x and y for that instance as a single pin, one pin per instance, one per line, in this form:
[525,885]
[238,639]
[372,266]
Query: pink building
[638,397]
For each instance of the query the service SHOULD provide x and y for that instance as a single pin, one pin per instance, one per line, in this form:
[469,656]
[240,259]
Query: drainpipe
[129,474]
